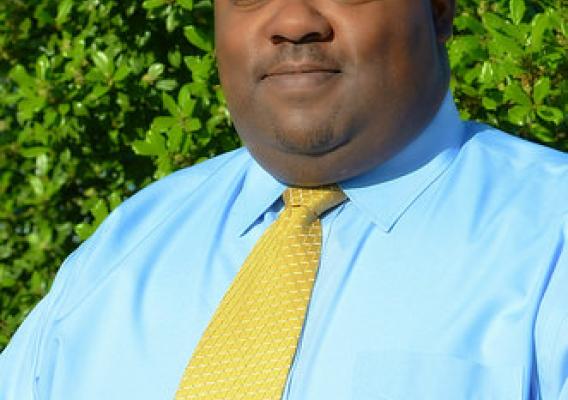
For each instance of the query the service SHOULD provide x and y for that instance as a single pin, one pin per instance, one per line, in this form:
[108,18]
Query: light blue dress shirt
[444,277]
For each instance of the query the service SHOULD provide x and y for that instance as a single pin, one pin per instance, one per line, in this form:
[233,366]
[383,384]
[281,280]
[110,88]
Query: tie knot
[317,199]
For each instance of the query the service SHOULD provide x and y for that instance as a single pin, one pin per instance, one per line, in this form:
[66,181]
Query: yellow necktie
[248,347]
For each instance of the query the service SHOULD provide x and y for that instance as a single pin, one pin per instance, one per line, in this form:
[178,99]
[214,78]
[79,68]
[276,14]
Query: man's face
[323,90]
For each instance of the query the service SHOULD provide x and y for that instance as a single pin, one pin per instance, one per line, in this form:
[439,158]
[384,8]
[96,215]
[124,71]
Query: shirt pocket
[387,375]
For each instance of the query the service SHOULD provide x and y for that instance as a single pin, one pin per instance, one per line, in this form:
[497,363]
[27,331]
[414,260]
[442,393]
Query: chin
[307,170]
[308,139]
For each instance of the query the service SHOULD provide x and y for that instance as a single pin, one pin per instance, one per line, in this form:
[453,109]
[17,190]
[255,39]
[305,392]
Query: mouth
[303,80]
[299,70]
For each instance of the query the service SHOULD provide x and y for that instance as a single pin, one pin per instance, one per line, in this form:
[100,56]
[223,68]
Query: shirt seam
[39,336]
[554,344]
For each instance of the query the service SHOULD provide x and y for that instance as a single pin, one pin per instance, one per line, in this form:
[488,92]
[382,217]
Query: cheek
[233,51]
[234,61]
[390,34]
[394,56]
[232,74]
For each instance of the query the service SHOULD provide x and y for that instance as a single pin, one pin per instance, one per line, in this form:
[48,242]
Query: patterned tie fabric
[249,345]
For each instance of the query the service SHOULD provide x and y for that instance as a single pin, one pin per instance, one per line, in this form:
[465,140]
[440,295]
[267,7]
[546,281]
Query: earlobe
[443,15]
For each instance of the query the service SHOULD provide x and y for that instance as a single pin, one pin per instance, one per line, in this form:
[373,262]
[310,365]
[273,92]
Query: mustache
[296,54]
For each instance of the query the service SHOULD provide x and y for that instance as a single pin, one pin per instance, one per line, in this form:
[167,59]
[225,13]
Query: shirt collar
[385,192]
[259,192]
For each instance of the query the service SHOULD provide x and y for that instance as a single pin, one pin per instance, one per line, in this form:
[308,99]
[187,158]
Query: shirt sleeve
[18,375]
[17,360]
[551,329]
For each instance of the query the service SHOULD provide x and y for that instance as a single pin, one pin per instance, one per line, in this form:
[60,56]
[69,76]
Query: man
[442,274]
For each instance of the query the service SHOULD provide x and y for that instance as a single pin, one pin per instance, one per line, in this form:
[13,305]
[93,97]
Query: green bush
[510,66]
[100,97]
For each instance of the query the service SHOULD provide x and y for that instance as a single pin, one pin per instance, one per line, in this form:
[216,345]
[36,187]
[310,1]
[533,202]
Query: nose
[298,22]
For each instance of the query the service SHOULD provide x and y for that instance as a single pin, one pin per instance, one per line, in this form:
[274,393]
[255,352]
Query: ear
[443,16]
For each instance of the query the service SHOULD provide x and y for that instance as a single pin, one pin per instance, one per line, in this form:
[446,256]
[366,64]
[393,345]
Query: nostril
[317,37]
[277,39]
[312,37]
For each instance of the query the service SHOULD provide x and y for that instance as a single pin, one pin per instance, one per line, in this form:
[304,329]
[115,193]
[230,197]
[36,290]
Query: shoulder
[523,156]
[180,184]
[154,204]
[509,181]
[164,196]
[527,172]
[132,224]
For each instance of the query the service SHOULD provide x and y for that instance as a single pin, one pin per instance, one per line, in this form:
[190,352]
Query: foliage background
[100,97]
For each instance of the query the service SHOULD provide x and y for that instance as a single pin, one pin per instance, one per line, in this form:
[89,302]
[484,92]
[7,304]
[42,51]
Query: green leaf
[518,114]
[21,77]
[494,22]
[121,73]
[79,109]
[174,58]
[517,95]
[114,200]
[192,125]
[49,117]
[539,24]
[154,71]
[164,166]
[33,152]
[166,84]
[187,4]
[63,109]
[469,76]
[103,63]
[37,185]
[201,67]
[99,211]
[489,103]
[42,165]
[63,11]
[463,22]
[501,45]
[162,124]
[172,20]
[175,136]
[517,8]
[29,107]
[98,91]
[42,16]
[170,104]
[542,133]
[464,48]
[42,65]
[150,4]
[185,101]
[153,145]
[541,89]
[198,38]
[84,230]
[203,137]
[550,114]
[487,73]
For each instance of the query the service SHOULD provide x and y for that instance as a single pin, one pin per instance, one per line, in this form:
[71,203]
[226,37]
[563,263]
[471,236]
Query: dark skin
[324,90]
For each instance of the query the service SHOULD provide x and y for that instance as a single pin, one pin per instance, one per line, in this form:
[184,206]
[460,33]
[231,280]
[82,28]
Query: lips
[298,70]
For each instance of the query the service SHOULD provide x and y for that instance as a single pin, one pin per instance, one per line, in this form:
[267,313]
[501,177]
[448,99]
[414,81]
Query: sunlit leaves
[509,64]
[199,37]
[517,10]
